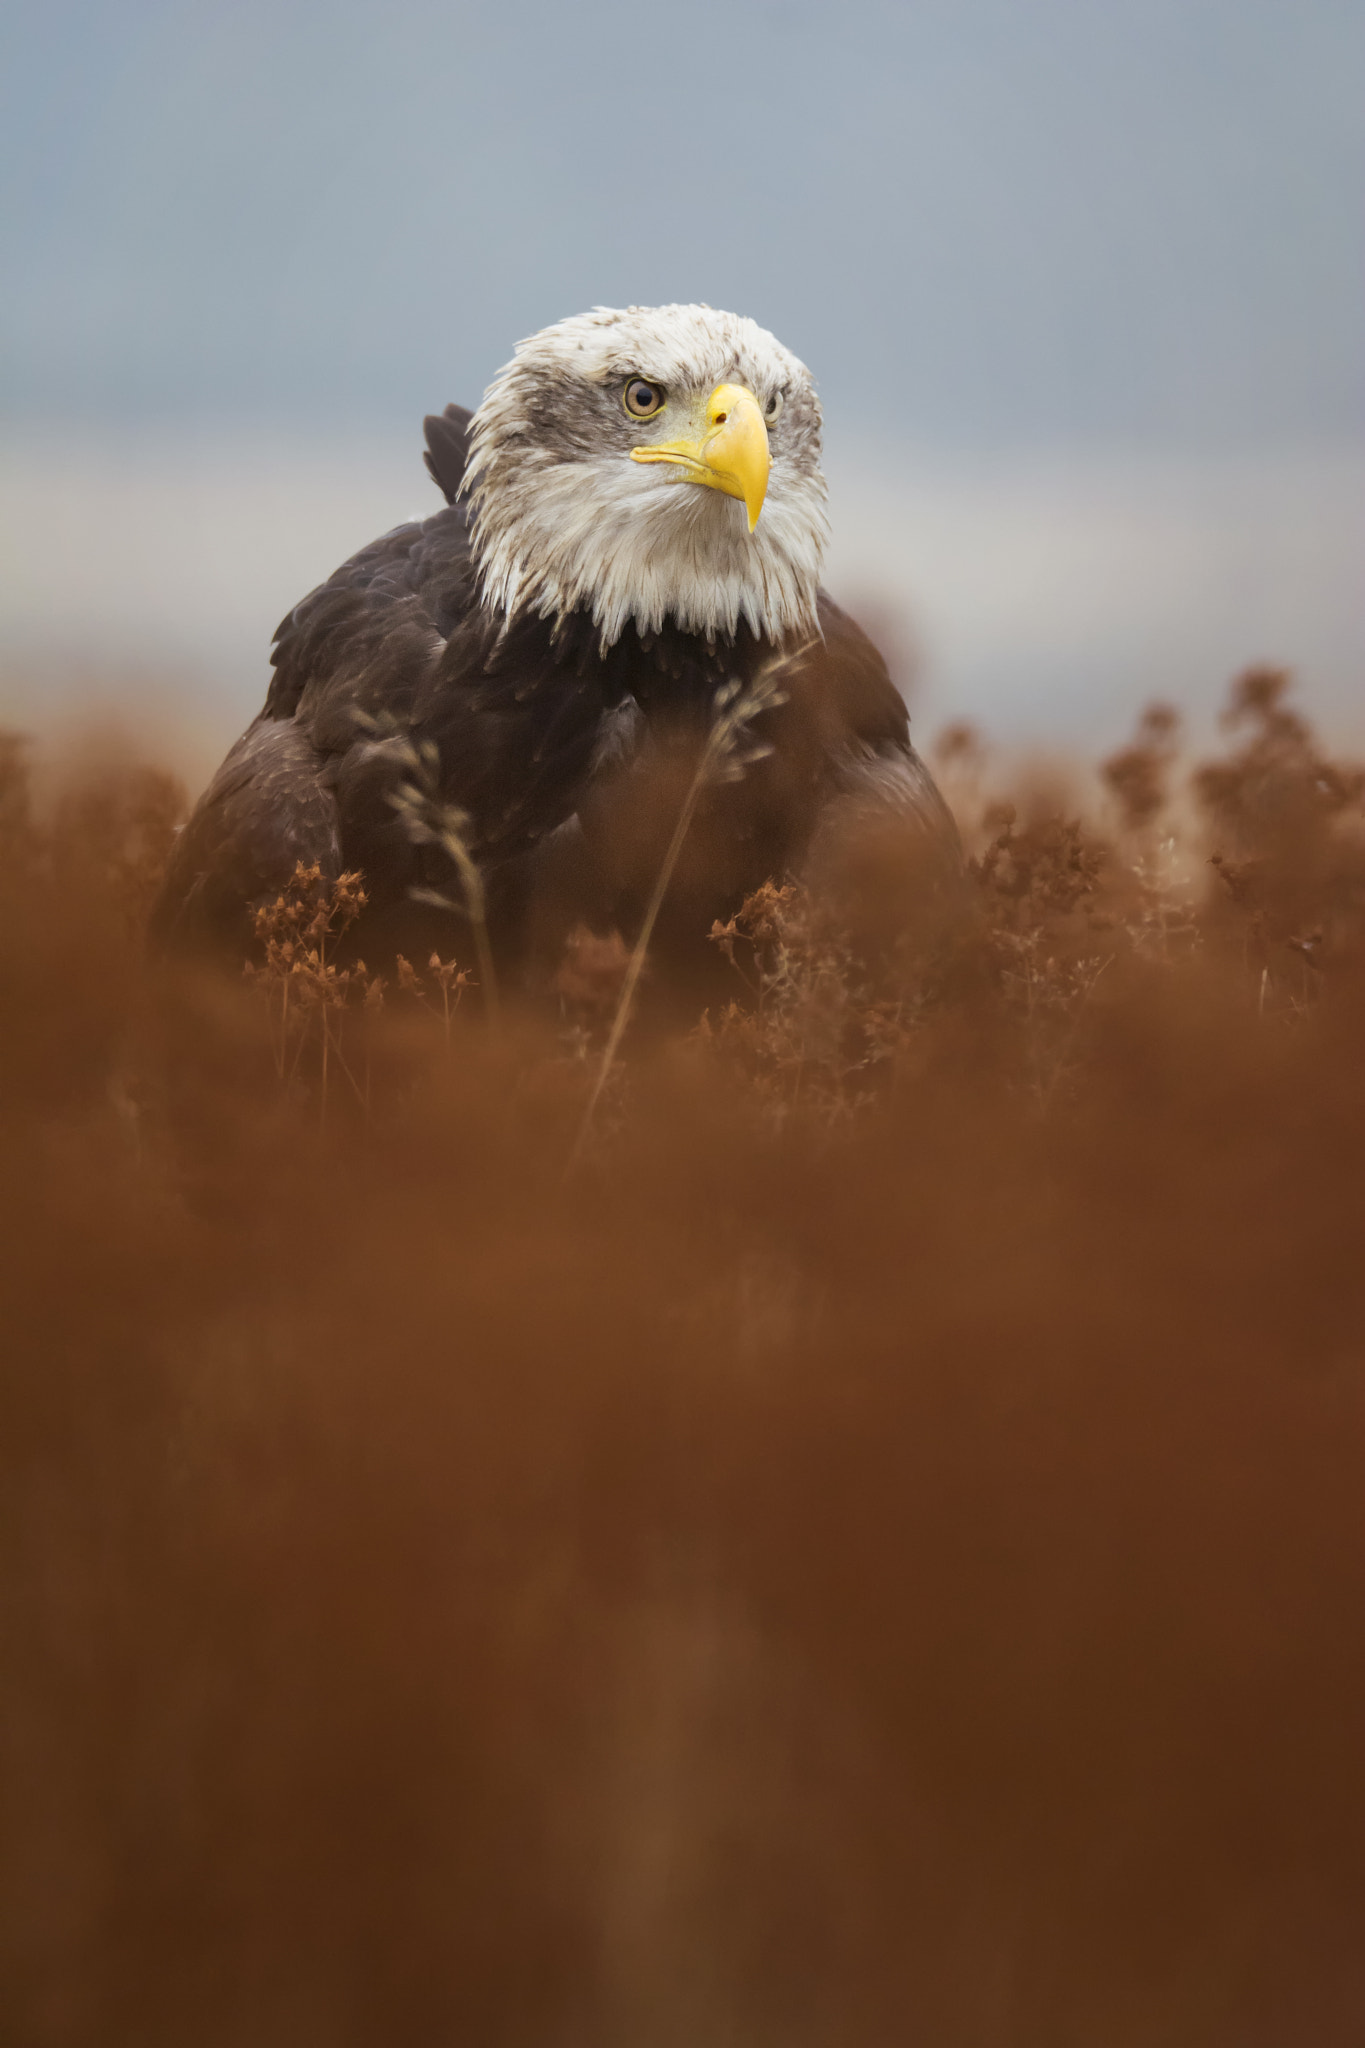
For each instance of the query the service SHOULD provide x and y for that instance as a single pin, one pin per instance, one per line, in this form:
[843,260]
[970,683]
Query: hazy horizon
[1081,285]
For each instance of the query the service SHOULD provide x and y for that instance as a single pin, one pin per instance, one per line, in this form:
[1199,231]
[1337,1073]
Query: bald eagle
[634,525]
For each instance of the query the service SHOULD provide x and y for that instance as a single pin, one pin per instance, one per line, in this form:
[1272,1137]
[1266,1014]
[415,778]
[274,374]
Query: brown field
[874,1554]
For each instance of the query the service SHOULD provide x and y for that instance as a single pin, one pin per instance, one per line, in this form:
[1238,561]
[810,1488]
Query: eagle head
[649,465]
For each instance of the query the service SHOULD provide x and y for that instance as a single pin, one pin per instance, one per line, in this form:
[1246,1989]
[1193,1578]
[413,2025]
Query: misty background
[1082,283]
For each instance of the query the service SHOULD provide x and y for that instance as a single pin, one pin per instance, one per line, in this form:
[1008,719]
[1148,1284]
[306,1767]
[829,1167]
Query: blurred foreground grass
[873,1555]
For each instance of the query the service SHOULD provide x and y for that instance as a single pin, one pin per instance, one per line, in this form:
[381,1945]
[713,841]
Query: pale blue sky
[1082,282]
[982,222]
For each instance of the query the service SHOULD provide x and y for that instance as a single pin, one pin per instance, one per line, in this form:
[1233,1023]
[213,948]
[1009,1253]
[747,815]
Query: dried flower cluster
[306,992]
[447,985]
[809,1029]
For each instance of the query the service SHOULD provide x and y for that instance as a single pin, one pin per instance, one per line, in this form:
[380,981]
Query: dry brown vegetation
[873,1555]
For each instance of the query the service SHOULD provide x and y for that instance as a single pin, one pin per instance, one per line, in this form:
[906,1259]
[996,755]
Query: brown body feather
[560,756]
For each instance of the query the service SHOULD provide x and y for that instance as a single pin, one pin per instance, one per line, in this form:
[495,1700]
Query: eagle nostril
[720,418]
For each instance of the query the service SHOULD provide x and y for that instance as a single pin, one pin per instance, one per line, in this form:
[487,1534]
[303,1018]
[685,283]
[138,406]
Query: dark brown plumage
[552,748]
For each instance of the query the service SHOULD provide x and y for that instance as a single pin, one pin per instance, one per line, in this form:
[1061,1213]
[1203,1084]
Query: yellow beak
[731,452]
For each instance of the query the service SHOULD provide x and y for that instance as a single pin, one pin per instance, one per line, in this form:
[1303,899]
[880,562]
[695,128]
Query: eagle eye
[642,400]
[773,407]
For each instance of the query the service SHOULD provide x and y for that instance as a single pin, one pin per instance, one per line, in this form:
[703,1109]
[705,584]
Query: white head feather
[564,520]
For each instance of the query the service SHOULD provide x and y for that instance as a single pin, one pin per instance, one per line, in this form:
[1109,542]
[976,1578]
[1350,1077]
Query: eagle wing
[392,650]
[851,724]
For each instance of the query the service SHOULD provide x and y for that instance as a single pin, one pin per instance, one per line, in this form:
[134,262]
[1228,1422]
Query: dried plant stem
[429,820]
[725,756]
[284,1026]
[362,1095]
[476,911]
[636,964]
[446,826]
